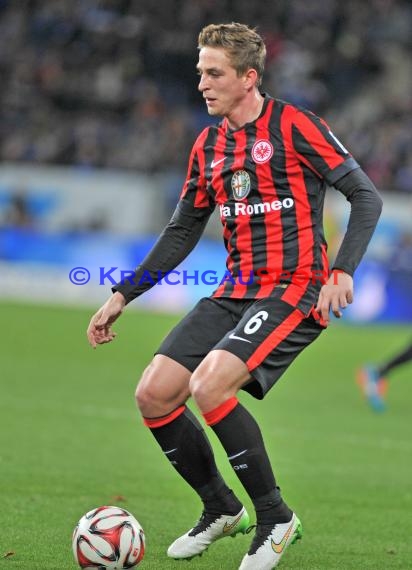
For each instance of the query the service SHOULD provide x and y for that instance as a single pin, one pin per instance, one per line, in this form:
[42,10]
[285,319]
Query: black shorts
[267,334]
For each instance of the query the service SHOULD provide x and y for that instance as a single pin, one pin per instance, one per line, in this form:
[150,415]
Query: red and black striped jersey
[268,180]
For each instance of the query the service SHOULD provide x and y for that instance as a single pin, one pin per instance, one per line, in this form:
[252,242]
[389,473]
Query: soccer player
[266,166]
[373,379]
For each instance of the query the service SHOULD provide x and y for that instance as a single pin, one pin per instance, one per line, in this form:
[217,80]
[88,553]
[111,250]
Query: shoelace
[203,523]
[263,531]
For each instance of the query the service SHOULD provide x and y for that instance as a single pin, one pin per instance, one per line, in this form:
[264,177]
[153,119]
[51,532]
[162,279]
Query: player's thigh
[268,337]
[198,332]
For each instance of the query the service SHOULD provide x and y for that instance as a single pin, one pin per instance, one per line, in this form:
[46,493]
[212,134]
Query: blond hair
[244,46]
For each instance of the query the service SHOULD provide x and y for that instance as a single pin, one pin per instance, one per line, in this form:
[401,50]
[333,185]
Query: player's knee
[142,397]
[146,394]
[202,387]
[158,393]
[148,400]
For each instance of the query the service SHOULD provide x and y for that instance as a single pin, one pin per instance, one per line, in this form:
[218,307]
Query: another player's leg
[373,379]
[373,386]
[163,388]
[402,358]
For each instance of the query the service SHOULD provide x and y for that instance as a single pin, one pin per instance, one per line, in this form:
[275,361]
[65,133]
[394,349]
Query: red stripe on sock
[163,420]
[214,416]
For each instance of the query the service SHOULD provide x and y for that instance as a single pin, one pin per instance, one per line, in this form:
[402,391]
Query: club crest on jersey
[262,151]
[240,184]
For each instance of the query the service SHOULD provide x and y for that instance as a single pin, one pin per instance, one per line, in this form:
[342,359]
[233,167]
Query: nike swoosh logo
[228,527]
[216,162]
[234,337]
[170,451]
[237,455]
[279,546]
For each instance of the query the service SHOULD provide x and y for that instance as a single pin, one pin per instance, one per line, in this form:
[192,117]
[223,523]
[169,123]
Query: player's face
[219,83]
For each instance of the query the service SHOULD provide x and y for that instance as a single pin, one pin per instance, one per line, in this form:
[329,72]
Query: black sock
[241,437]
[402,358]
[186,446]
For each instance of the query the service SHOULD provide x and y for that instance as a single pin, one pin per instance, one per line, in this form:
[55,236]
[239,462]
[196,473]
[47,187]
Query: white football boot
[270,543]
[210,527]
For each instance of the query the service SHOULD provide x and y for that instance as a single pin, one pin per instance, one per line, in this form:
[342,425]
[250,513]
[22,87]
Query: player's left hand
[335,295]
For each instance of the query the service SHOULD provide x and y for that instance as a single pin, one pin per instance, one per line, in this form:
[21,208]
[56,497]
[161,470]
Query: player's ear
[250,78]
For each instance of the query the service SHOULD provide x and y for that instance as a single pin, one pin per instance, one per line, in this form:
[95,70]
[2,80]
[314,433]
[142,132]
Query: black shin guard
[186,446]
[242,440]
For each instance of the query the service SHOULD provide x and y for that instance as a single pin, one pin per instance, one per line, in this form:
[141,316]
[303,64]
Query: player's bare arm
[100,330]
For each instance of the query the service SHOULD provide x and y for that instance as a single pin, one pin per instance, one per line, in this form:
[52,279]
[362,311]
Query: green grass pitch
[71,440]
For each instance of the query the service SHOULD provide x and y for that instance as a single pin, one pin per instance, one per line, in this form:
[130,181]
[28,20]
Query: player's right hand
[100,330]
[335,295]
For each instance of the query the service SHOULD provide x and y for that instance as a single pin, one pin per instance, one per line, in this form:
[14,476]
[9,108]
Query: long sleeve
[366,207]
[173,245]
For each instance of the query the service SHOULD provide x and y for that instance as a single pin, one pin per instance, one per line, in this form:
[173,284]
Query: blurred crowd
[112,83]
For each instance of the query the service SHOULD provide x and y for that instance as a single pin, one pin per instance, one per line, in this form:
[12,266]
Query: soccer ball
[108,537]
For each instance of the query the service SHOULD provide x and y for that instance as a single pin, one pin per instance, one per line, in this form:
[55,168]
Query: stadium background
[98,111]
